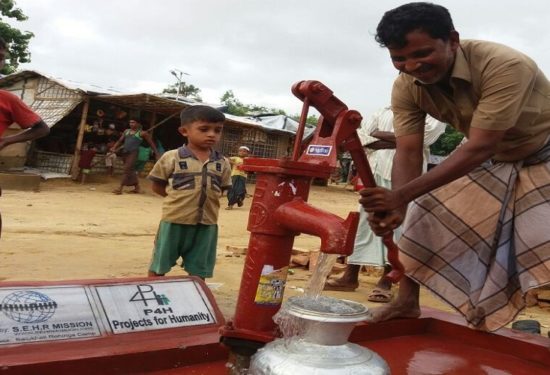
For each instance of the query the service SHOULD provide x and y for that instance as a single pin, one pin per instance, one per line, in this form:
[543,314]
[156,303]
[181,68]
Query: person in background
[237,193]
[377,136]
[191,180]
[131,139]
[345,164]
[110,158]
[111,133]
[85,164]
[14,110]
[475,232]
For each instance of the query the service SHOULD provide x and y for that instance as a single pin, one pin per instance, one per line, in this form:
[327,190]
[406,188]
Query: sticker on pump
[318,150]
[271,286]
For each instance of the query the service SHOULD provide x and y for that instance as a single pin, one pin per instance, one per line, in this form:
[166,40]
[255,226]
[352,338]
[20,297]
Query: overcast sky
[257,48]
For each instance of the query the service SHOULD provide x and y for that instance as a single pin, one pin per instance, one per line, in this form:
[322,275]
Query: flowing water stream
[320,274]
[291,326]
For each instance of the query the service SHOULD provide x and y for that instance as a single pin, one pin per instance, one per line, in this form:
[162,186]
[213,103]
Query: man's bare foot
[393,310]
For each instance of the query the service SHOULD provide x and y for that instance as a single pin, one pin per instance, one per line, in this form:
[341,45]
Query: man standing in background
[14,110]
[379,140]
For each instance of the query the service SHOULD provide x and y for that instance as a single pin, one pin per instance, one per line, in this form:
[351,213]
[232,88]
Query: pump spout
[337,235]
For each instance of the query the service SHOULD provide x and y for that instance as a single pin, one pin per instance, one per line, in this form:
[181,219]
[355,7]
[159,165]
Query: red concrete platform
[437,343]
[440,343]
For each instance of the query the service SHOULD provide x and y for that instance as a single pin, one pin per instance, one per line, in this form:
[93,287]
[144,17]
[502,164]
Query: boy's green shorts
[196,244]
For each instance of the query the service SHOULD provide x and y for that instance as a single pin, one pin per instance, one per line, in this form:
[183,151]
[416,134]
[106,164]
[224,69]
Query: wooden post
[153,120]
[80,137]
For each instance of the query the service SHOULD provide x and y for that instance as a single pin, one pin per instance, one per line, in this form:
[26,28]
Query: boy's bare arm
[159,188]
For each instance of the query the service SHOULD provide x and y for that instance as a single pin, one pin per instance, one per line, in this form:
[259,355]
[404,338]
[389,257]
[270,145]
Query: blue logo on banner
[28,306]
[318,150]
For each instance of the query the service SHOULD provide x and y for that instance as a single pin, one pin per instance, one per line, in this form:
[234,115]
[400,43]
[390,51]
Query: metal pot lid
[326,309]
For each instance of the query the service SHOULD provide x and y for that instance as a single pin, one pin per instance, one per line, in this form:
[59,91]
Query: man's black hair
[200,113]
[397,23]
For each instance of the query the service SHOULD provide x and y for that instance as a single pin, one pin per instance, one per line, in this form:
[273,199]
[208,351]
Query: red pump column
[279,213]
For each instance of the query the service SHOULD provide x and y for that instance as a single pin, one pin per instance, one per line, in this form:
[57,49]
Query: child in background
[85,163]
[237,193]
[110,158]
[191,180]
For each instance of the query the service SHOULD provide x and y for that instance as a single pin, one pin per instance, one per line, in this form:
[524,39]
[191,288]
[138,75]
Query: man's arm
[384,135]
[38,130]
[386,140]
[118,142]
[408,159]
[380,145]
[407,165]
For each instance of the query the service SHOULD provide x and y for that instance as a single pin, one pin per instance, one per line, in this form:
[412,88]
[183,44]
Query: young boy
[191,180]
[110,158]
[237,193]
[85,163]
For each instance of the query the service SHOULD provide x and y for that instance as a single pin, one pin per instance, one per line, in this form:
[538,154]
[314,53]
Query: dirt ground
[69,231]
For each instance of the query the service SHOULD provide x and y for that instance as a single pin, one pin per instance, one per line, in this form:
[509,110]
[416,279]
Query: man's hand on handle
[385,209]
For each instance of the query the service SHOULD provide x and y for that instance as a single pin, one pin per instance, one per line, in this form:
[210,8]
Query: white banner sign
[29,314]
[157,305]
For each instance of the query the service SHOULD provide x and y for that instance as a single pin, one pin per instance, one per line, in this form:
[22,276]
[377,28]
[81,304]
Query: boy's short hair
[200,113]
[3,44]
[427,17]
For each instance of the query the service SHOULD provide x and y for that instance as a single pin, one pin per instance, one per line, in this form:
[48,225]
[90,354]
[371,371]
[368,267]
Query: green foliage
[17,40]
[235,107]
[186,90]
[447,142]
[311,119]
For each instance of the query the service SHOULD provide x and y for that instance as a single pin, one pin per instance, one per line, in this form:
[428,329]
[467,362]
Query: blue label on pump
[318,150]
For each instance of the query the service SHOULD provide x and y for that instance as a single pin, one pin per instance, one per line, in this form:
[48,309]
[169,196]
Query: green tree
[186,90]
[311,119]
[18,40]
[235,107]
[447,142]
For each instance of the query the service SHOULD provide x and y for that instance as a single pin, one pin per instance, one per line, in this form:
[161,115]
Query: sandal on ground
[339,285]
[380,295]
[117,192]
[229,208]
